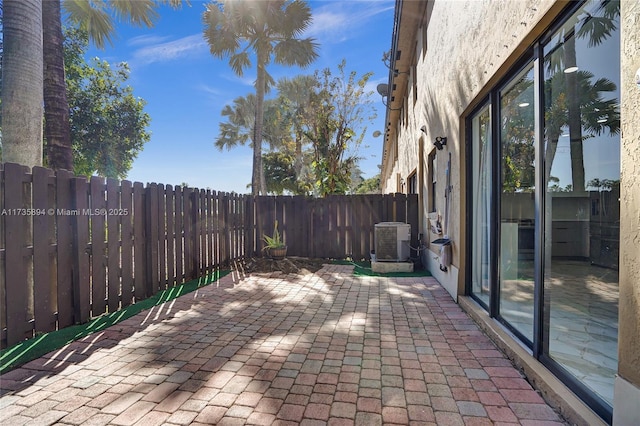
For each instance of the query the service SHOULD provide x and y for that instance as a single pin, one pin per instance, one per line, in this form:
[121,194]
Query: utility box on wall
[392,241]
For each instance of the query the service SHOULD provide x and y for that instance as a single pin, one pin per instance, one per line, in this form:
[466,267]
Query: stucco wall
[480,48]
[629,331]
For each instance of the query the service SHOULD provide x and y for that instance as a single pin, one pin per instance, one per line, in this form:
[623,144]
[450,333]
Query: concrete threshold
[554,392]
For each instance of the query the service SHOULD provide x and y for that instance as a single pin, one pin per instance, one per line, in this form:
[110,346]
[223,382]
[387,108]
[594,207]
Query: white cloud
[338,21]
[169,51]
[146,40]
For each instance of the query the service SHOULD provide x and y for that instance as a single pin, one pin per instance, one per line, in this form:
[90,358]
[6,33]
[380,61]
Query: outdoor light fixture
[440,142]
[383,90]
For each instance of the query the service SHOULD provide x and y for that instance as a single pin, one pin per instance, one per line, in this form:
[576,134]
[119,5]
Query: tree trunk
[258,184]
[57,129]
[574,117]
[22,71]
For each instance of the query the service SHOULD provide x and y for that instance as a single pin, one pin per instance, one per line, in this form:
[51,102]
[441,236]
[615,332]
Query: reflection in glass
[481,216]
[517,139]
[582,215]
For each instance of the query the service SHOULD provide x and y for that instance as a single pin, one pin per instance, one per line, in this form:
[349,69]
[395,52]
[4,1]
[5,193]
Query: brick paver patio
[324,348]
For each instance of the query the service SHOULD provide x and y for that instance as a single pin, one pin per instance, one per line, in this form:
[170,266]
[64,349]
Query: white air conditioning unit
[392,241]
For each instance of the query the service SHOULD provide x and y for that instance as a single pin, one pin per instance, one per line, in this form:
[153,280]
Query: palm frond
[93,17]
[296,52]
[141,13]
[239,62]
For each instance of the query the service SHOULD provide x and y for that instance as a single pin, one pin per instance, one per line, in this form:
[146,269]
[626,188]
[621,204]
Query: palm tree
[237,130]
[22,82]
[295,98]
[57,128]
[270,29]
[596,27]
[97,18]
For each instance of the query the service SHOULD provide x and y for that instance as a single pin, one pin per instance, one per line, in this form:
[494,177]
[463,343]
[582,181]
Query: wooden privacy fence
[73,248]
[337,226]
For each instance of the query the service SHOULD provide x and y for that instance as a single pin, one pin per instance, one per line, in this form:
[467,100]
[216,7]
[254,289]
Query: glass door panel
[582,206]
[517,219]
[481,153]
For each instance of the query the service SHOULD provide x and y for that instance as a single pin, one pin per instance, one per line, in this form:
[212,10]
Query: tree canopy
[268,29]
[108,123]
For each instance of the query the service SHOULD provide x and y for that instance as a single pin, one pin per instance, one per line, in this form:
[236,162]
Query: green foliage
[281,176]
[369,186]
[269,31]
[335,126]
[108,123]
[273,241]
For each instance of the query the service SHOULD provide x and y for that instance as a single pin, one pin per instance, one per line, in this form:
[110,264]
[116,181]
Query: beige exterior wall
[627,393]
[450,81]
[470,46]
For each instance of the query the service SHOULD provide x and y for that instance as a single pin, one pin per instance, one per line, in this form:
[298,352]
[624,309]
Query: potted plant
[274,246]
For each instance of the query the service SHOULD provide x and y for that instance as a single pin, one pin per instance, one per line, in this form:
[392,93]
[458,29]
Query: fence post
[114,219]
[81,277]
[151,206]
[139,241]
[127,242]
[44,296]
[64,249]
[16,277]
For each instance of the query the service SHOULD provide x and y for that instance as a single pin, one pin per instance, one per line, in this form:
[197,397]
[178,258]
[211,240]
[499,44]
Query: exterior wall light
[440,142]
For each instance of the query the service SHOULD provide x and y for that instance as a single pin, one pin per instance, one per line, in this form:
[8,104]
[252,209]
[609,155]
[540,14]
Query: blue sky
[186,88]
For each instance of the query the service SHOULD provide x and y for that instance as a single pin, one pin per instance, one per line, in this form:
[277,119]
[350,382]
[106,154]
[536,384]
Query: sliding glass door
[482,154]
[544,191]
[582,205]
[517,219]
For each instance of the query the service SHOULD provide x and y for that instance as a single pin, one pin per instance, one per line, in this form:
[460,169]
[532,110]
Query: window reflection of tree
[518,137]
[574,98]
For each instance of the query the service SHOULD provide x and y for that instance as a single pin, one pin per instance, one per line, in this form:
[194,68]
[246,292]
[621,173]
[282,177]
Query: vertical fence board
[171,236]
[179,235]
[412,218]
[15,255]
[126,192]
[3,288]
[195,233]
[139,244]
[162,238]
[302,213]
[400,201]
[98,255]
[201,228]
[152,239]
[43,255]
[210,232]
[64,249]
[250,247]
[113,245]
[223,217]
[81,260]
[233,214]
[215,207]
[188,242]
[291,239]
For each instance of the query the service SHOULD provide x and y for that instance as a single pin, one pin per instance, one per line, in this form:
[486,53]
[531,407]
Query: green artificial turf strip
[38,346]
[363,269]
